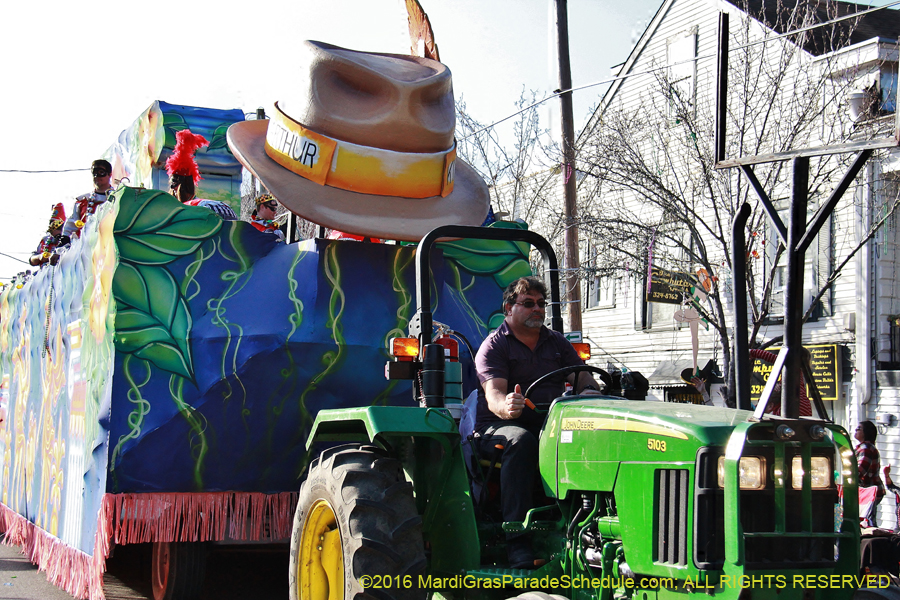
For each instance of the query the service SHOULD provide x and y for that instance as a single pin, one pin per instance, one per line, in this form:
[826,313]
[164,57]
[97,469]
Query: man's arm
[69,228]
[505,405]
[37,258]
[700,385]
[585,379]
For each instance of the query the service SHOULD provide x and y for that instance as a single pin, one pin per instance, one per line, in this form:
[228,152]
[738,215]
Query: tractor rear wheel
[356,526]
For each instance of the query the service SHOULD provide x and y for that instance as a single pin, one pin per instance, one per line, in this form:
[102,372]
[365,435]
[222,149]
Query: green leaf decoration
[153,319]
[511,272]
[218,138]
[495,321]
[153,228]
[173,118]
[505,261]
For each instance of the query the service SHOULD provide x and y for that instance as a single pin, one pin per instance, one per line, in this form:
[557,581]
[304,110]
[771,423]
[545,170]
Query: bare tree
[519,169]
[523,168]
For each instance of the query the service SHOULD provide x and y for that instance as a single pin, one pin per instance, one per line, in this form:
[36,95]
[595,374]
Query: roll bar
[421,324]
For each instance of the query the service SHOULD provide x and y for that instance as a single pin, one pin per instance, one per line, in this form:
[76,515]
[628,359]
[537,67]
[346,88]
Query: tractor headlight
[752,472]
[819,471]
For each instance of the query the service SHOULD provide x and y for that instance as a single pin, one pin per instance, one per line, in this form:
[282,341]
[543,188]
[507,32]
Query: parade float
[159,382]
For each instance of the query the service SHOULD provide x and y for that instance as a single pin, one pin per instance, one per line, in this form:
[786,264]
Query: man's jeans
[519,461]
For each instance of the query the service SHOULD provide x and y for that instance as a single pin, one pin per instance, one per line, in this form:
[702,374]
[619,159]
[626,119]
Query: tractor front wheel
[356,530]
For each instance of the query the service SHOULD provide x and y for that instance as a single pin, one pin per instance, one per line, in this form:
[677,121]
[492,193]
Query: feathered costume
[182,162]
[182,167]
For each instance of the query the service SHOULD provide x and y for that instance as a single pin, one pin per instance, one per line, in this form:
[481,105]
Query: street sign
[573,336]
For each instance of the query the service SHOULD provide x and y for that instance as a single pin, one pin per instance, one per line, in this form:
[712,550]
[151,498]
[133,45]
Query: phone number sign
[669,287]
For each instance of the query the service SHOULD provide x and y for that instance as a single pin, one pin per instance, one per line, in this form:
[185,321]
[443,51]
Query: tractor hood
[585,441]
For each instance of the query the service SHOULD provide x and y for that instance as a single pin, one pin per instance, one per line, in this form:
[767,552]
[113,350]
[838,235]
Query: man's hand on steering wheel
[515,402]
[587,386]
[590,391]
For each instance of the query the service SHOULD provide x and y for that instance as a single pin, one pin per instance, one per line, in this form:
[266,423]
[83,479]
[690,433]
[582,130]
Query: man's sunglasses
[99,172]
[270,205]
[531,303]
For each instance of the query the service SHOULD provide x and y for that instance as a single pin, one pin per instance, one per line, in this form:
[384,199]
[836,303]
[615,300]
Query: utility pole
[570,236]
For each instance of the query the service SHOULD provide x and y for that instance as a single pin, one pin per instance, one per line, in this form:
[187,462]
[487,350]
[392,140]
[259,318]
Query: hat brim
[389,217]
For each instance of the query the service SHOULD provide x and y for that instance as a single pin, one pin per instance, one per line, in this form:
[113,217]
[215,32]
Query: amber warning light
[404,348]
[583,350]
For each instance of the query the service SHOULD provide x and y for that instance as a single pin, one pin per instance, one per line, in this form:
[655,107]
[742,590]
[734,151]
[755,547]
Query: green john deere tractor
[646,500]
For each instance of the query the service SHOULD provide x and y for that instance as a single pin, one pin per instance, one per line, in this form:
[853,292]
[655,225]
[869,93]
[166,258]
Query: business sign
[825,369]
[669,287]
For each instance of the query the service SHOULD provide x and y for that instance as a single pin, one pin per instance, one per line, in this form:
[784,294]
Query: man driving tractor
[516,354]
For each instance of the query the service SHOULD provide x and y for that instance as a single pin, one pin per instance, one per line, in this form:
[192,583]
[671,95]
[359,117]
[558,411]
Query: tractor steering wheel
[568,370]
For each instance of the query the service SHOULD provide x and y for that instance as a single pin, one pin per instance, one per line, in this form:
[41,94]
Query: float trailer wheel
[178,570]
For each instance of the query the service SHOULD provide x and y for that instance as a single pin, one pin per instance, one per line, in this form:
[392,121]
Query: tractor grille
[709,512]
[672,487]
[758,515]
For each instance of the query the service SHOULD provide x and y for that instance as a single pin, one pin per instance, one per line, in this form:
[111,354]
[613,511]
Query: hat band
[356,168]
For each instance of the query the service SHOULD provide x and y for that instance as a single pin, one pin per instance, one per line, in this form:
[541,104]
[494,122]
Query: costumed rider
[86,204]
[510,359]
[184,174]
[263,216]
[52,243]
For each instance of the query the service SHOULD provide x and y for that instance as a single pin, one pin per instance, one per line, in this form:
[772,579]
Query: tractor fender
[365,424]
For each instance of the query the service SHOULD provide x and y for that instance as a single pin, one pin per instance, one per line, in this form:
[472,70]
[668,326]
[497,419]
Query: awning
[668,373]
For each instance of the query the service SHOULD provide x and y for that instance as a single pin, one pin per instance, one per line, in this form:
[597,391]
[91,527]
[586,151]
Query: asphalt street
[232,574]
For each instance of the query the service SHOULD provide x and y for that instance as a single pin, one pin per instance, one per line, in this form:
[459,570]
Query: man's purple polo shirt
[503,356]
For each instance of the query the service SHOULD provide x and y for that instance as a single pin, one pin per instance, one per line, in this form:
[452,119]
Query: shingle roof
[777,14]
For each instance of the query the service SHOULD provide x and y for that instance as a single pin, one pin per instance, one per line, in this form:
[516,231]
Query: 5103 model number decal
[658,445]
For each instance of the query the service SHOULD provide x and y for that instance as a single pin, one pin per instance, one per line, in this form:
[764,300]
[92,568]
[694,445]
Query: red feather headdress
[182,160]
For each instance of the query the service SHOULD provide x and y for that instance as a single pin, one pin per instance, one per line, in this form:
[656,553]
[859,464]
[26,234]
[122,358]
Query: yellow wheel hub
[320,572]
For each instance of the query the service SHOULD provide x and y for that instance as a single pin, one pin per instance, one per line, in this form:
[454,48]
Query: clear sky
[75,74]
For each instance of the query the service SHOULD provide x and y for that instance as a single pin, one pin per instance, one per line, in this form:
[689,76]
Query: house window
[817,268]
[599,288]
[662,316]
[889,193]
[888,86]
[600,292]
[682,61]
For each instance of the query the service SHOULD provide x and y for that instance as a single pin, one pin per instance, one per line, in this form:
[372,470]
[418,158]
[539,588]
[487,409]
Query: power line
[46,171]
[767,40]
[14,258]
